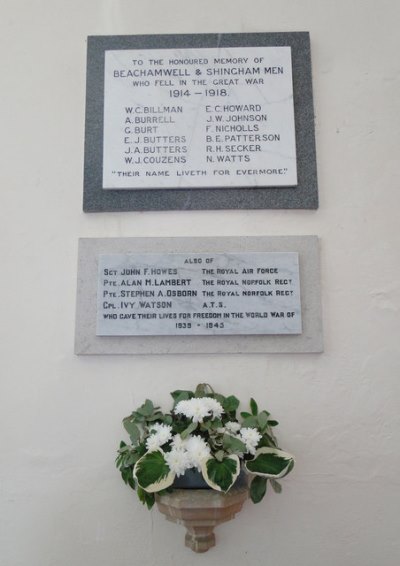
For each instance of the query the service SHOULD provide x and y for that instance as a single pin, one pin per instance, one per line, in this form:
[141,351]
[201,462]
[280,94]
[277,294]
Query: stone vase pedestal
[200,511]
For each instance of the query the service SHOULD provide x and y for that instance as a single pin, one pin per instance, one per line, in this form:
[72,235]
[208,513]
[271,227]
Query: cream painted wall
[62,502]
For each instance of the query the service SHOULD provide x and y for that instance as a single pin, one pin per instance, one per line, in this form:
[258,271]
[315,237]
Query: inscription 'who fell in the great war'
[203,117]
[198,294]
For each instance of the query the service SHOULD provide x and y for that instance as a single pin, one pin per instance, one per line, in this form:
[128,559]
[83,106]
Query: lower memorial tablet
[198,294]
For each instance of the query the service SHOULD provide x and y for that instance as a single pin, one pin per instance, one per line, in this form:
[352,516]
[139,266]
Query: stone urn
[200,511]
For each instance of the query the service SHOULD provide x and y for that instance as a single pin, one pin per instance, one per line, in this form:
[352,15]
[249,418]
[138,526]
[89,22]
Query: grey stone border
[304,195]
[310,341]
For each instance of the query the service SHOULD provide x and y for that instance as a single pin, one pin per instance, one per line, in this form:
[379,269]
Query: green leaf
[253,407]
[137,417]
[245,415]
[262,420]
[155,417]
[181,395]
[215,424]
[203,390]
[167,419]
[179,426]
[127,476]
[146,498]
[141,449]
[146,409]
[270,463]
[276,486]
[192,427]
[258,488]
[230,404]
[273,423]
[132,430]
[221,475]
[130,459]
[290,468]
[152,472]
[233,445]
[250,422]
[268,441]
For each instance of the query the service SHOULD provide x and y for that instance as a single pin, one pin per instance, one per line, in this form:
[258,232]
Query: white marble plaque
[198,294]
[205,118]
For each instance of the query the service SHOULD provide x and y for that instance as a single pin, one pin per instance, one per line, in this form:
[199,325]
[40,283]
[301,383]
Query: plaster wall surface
[61,500]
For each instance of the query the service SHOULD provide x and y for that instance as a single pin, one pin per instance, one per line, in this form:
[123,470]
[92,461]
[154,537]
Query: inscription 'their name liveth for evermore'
[199,118]
[198,294]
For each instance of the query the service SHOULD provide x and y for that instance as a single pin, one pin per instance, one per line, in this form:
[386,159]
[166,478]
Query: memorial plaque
[191,294]
[198,295]
[199,121]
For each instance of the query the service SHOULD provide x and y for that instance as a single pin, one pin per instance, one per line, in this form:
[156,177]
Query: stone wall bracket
[200,511]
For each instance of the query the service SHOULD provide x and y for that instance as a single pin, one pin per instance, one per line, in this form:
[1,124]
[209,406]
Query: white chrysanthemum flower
[163,431]
[161,434]
[232,427]
[178,461]
[198,450]
[214,406]
[194,409]
[199,408]
[178,443]
[153,443]
[251,437]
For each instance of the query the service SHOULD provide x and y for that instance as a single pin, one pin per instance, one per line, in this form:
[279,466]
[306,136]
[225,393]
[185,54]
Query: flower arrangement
[202,432]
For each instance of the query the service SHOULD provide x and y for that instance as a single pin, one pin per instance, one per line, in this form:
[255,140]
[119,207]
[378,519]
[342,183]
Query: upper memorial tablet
[199,122]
